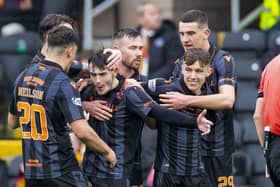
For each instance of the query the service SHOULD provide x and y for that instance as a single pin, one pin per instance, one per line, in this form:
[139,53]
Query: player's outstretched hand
[115,59]
[111,157]
[204,125]
[98,109]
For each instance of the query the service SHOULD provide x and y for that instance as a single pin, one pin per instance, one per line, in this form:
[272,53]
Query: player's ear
[209,71]
[115,72]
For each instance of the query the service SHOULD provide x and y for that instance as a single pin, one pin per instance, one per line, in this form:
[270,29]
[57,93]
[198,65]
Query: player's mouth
[187,46]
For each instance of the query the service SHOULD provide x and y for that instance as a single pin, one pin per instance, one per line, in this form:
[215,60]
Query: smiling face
[131,49]
[193,36]
[103,79]
[195,76]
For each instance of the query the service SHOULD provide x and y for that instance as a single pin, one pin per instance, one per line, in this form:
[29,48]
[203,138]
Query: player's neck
[115,83]
[58,60]
[206,46]
[126,72]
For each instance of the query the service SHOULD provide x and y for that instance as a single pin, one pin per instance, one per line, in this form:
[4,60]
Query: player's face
[192,36]
[151,18]
[131,49]
[102,79]
[194,76]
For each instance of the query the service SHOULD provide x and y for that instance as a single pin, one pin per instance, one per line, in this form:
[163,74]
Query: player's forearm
[94,142]
[259,127]
[172,117]
[258,119]
[89,137]
[12,121]
[214,101]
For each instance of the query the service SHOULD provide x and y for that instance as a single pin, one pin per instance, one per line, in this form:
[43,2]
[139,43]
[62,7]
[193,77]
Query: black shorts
[168,180]
[97,182]
[219,170]
[73,179]
[136,178]
[272,158]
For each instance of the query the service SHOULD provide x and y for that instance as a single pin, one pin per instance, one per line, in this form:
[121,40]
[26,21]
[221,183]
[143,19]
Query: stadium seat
[238,133]
[246,96]
[249,130]
[246,47]
[273,40]
[256,153]
[15,52]
[242,167]
[247,40]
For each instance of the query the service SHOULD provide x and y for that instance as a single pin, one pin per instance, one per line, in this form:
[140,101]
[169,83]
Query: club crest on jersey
[120,95]
[227,58]
[76,101]
[73,84]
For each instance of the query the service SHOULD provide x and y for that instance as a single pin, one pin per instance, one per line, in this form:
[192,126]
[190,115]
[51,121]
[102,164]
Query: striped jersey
[75,68]
[178,148]
[122,132]
[45,100]
[220,141]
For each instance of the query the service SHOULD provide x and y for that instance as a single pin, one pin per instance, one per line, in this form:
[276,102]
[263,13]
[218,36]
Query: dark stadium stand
[15,52]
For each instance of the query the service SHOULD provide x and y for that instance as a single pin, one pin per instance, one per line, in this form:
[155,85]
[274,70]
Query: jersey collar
[50,63]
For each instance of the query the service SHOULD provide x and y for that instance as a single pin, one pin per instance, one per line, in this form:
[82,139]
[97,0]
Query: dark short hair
[62,36]
[197,16]
[52,20]
[99,59]
[197,54]
[126,32]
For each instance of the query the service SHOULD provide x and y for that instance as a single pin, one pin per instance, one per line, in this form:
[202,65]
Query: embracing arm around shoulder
[222,100]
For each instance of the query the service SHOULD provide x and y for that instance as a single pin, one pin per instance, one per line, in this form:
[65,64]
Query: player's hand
[98,109]
[267,175]
[111,157]
[132,83]
[81,84]
[204,125]
[115,59]
[173,100]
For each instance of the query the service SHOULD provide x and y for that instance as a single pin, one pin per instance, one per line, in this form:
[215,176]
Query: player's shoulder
[222,56]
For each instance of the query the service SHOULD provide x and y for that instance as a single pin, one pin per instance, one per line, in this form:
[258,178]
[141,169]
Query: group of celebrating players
[194,146]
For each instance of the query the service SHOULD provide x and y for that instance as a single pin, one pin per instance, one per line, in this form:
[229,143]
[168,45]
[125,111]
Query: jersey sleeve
[69,102]
[260,91]
[75,69]
[225,66]
[87,92]
[138,101]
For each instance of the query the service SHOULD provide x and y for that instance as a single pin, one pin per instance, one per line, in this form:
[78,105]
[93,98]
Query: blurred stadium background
[234,25]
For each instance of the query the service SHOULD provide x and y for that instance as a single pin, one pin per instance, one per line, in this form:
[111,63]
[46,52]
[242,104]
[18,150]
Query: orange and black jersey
[75,68]
[122,132]
[220,141]
[178,148]
[45,100]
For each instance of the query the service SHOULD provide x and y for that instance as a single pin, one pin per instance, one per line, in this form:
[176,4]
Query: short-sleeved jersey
[75,69]
[178,148]
[220,141]
[269,90]
[45,99]
[122,132]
